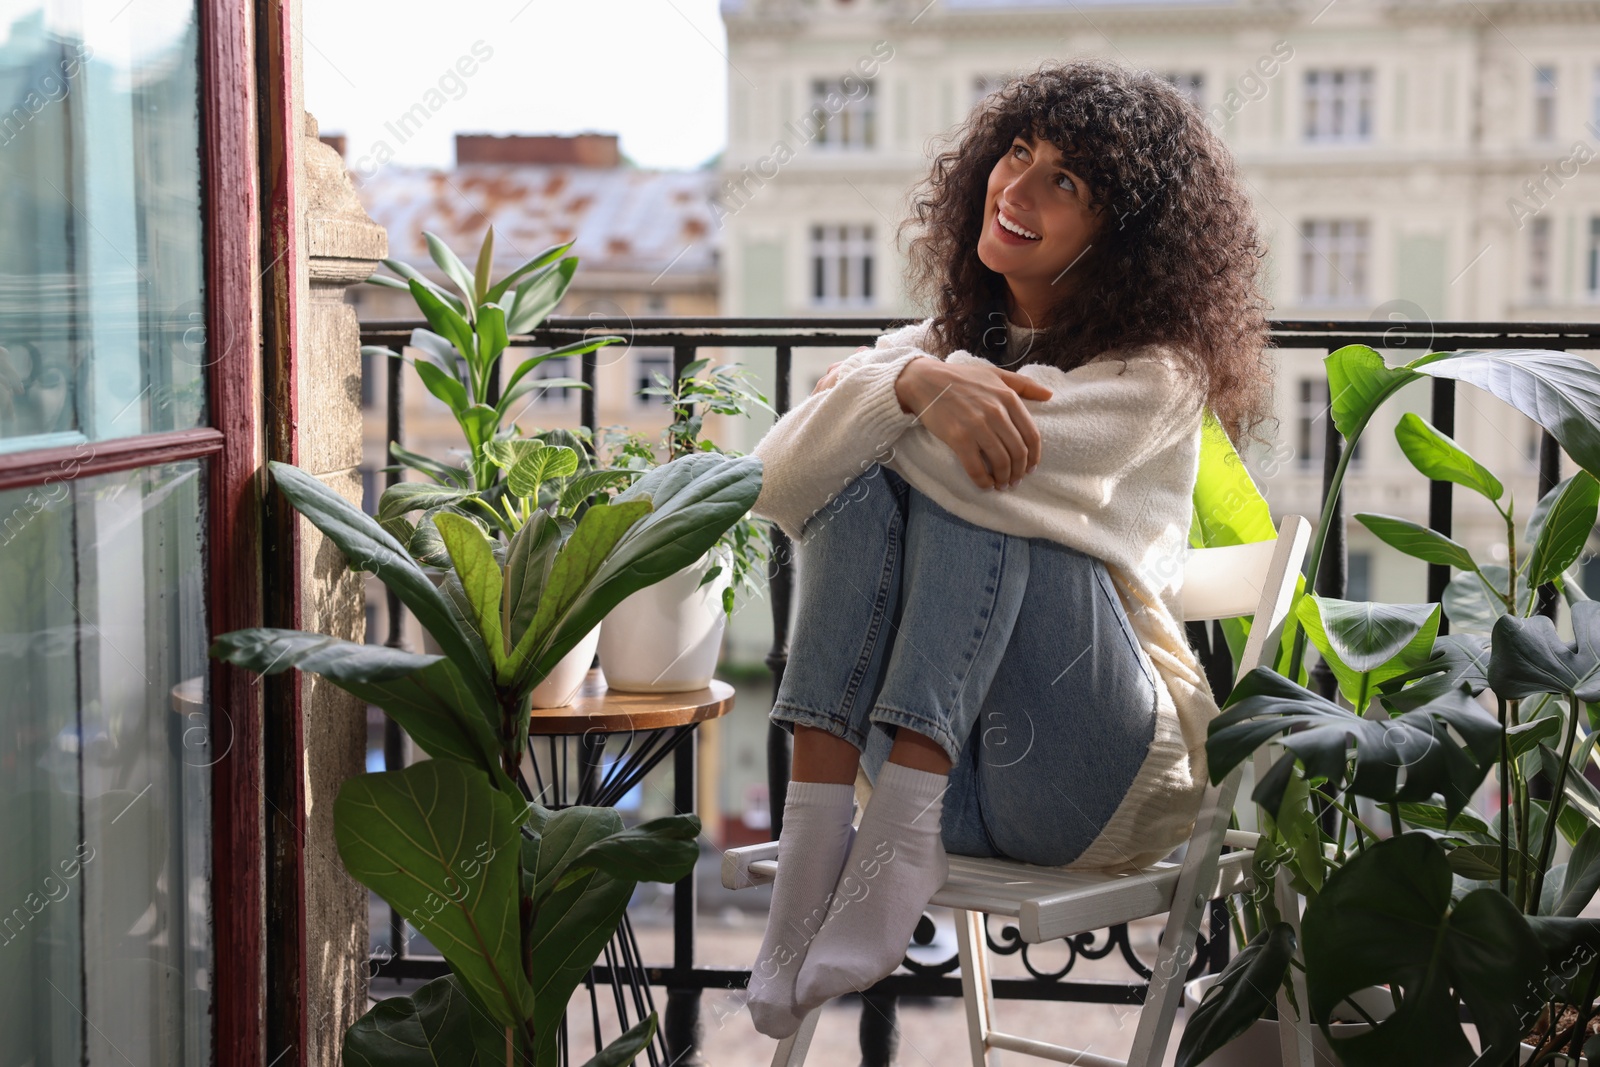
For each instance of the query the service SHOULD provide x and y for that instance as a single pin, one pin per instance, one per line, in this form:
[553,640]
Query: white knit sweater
[1119,455]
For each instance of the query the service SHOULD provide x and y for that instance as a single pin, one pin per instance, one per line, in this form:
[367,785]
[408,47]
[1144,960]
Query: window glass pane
[106,747]
[102,331]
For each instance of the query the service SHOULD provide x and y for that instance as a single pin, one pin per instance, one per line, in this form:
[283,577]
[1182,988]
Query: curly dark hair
[1176,257]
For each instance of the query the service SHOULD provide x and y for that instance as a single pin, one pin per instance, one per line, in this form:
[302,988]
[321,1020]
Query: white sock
[896,864]
[811,851]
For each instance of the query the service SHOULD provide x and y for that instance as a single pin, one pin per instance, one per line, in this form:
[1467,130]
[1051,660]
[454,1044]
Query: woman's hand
[977,410]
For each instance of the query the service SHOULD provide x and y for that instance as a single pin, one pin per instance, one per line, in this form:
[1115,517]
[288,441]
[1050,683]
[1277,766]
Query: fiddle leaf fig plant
[519,899]
[1448,909]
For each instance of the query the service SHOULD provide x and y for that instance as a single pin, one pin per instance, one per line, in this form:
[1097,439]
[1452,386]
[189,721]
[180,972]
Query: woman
[991,509]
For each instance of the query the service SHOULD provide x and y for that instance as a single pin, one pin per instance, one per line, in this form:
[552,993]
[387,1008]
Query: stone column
[343,247]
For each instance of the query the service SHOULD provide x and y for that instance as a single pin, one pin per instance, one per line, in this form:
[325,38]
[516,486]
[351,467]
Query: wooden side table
[642,729]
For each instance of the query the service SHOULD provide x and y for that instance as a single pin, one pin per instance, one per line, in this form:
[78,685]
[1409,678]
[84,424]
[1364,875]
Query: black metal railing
[682,979]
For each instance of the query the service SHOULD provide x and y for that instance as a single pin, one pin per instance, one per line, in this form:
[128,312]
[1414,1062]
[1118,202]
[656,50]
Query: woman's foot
[811,851]
[895,866]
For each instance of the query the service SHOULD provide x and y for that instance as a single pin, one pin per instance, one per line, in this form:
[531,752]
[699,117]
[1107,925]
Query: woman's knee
[872,499]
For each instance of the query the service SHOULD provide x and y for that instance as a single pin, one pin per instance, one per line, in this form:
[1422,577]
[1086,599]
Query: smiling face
[1037,221]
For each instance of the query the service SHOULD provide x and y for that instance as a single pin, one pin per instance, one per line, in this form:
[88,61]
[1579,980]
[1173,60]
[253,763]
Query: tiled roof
[624,219]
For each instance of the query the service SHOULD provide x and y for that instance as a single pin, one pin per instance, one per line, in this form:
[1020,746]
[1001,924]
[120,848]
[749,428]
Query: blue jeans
[1014,654]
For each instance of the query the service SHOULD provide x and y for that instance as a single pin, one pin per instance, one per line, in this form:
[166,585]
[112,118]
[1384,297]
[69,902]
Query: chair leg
[977,986]
[1294,1033]
[791,1051]
[1160,1009]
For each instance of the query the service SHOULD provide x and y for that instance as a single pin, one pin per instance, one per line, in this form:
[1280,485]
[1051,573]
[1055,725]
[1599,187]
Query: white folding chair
[1049,903]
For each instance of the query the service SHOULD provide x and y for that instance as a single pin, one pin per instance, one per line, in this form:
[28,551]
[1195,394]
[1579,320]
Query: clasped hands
[976,409]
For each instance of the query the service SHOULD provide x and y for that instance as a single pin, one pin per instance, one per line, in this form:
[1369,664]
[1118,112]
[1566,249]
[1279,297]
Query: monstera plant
[1448,910]
[519,900]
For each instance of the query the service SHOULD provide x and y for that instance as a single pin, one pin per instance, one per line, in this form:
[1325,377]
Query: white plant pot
[561,685]
[666,637]
[1259,1045]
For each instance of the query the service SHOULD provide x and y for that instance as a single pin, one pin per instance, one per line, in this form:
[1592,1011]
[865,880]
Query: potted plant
[504,474]
[1442,907]
[667,638]
[519,899]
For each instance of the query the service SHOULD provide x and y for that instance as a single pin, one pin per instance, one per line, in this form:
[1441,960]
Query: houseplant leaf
[569,933]
[539,466]
[543,259]
[1386,917]
[1242,993]
[1456,660]
[368,548]
[1438,457]
[438,1024]
[1265,704]
[453,268]
[1560,392]
[473,559]
[576,348]
[1565,529]
[445,320]
[539,294]
[480,276]
[411,274]
[1359,381]
[626,1048]
[529,557]
[1472,607]
[1367,643]
[440,844]
[1529,657]
[1417,541]
[566,834]
[661,850]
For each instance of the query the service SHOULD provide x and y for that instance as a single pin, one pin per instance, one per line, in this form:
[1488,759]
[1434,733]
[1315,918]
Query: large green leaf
[1386,917]
[404,497]
[1440,458]
[1367,643]
[1470,605]
[695,500]
[473,559]
[529,557]
[1560,392]
[570,930]
[1228,510]
[572,574]
[437,1026]
[440,844]
[1582,876]
[424,694]
[266,650]
[480,276]
[625,1049]
[491,333]
[1417,541]
[582,486]
[443,386]
[369,548]
[1529,657]
[1565,530]
[539,466]
[412,274]
[566,834]
[445,320]
[1242,993]
[539,294]
[452,266]
[1320,734]
[1359,381]
[542,260]
[1456,660]
[661,850]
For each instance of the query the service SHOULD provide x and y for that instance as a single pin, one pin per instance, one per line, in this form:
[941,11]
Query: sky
[652,71]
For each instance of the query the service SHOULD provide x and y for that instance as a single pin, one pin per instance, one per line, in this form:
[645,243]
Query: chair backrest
[1256,579]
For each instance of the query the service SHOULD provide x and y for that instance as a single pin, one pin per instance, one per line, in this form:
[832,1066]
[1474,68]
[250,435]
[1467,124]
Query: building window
[1358,576]
[1544,103]
[648,364]
[1339,105]
[1311,425]
[844,120]
[841,265]
[1539,261]
[1592,258]
[1190,83]
[1333,261]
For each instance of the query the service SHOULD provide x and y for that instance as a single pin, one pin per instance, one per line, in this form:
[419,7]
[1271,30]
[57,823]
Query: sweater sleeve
[1115,462]
[831,437]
